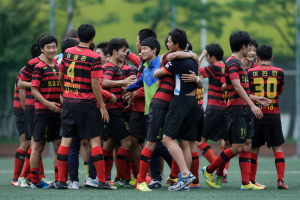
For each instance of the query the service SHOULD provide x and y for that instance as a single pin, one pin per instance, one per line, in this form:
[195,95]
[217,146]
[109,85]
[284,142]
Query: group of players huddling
[100,103]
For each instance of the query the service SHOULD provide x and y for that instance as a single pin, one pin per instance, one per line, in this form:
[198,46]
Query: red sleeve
[62,66]
[36,77]
[97,71]
[105,94]
[207,71]
[140,92]
[233,71]
[134,59]
[223,80]
[109,72]
[26,73]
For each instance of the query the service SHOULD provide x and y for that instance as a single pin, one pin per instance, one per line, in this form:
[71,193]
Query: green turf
[266,175]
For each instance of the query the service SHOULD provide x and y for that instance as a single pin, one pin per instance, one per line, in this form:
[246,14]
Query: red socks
[35,175]
[207,152]
[98,161]
[26,170]
[195,166]
[174,170]
[253,158]
[127,175]
[144,164]
[222,159]
[280,164]
[134,169]
[245,166]
[55,174]
[107,157]
[19,162]
[41,169]
[62,163]
[121,162]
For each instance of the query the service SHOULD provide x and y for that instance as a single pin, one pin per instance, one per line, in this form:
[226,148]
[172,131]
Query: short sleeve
[207,72]
[109,72]
[171,68]
[97,71]
[26,73]
[37,76]
[223,81]
[233,71]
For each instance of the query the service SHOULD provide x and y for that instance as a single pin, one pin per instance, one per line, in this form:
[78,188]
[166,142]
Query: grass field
[266,175]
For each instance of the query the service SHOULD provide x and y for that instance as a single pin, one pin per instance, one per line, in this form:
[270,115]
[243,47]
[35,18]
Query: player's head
[73,34]
[264,53]
[117,49]
[92,46]
[143,34]
[252,50]
[239,42]
[39,38]
[189,46]
[101,51]
[48,45]
[68,43]
[166,42]
[35,51]
[86,33]
[150,48]
[177,40]
[215,53]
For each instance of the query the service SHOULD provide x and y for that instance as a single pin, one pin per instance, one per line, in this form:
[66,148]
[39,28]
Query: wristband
[198,79]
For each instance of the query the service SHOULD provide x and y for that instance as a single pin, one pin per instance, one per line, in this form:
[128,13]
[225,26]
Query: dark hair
[72,34]
[102,46]
[39,38]
[146,33]
[68,43]
[35,51]
[253,42]
[116,44]
[152,43]
[92,46]
[238,39]
[166,42]
[47,39]
[264,52]
[190,48]
[215,50]
[125,42]
[178,36]
[86,32]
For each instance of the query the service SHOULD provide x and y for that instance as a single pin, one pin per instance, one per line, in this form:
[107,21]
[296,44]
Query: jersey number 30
[260,89]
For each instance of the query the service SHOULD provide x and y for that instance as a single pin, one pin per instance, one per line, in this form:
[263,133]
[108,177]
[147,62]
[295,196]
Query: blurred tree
[194,11]
[279,14]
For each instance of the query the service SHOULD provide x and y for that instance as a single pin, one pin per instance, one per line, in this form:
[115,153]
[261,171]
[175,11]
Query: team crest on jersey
[168,65]
[78,49]
[44,68]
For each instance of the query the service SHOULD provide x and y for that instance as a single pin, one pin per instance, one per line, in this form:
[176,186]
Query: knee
[127,143]
[135,141]
[85,143]
[166,140]
[247,147]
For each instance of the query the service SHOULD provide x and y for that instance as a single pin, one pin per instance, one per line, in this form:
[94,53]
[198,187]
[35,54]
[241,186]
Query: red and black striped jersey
[267,81]
[235,70]
[45,78]
[17,107]
[127,71]
[216,104]
[26,75]
[80,65]
[113,72]
[253,65]
[165,91]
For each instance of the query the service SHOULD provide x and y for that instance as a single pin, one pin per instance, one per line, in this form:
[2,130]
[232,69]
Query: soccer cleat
[260,185]
[46,181]
[194,186]
[170,181]
[281,185]
[218,182]
[22,182]
[143,187]
[155,184]
[209,178]
[106,185]
[14,182]
[92,182]
[162,176]
[183,182]
[122,183]
[111,182]
[75,185]
[61,185]
[251,186]
[225,179]
[42,185]
[132,181]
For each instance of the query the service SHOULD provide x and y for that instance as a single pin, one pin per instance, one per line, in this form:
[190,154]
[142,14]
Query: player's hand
[56,57]
[104,114]
[54,107]
[129,102]
[257,112]
[129,80]
[127,96]
[189,77]
[263,101]
[195,57]
[113,99]
[161,58]
[204,53]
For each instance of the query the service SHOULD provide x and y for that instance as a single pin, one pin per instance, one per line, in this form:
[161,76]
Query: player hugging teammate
[97,101]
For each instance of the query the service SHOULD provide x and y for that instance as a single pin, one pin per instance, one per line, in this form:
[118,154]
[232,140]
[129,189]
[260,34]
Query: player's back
[79,66]
[267,81]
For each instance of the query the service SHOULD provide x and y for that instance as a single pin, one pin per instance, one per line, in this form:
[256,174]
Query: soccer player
[240,110]
[72,34]
[248,60]
[101,51]
[25,83]
[45,88]
[79,73]
[181,116]
[118,131]
[215,119]
[18,111]
[268,81]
